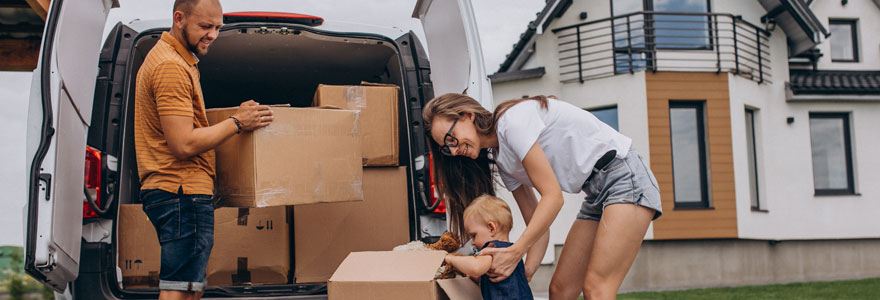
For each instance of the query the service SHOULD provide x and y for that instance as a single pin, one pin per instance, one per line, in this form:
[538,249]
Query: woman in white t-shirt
[552,146]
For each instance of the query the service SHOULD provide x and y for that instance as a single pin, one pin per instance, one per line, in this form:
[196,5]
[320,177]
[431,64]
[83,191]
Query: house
[759,119]
[21,28]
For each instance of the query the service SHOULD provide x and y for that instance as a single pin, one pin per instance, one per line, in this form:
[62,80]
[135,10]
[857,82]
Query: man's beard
[194,48]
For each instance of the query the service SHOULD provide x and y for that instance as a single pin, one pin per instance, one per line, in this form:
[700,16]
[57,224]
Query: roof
[517,75]
[835,82]
[803,29]
[553,9]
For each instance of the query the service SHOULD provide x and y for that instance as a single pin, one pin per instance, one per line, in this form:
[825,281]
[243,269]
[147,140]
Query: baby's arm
[470,265]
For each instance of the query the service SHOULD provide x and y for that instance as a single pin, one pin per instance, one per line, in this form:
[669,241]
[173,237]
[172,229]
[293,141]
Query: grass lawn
[848,289]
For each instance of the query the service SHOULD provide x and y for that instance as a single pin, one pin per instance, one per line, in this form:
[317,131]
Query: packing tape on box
[242,276]
[356,97]
[264,195]
[243,216]
[356,131]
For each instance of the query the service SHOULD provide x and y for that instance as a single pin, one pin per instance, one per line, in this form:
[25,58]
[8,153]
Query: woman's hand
[504,261]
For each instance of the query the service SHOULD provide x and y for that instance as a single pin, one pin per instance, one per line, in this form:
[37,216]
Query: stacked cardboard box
[377,104]
[251,246]
[306,155]
[325,233]
[138,252]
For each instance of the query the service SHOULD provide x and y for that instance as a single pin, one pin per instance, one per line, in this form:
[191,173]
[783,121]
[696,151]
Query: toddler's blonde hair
[490,209]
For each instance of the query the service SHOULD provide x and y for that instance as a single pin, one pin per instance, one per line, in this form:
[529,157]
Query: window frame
[647,51]
[616,112]
[853,23]
[754,164]
[649,6]
[702,134]
[847,141]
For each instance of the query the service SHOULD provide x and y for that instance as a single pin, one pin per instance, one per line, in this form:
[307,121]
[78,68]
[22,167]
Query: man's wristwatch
[237,124]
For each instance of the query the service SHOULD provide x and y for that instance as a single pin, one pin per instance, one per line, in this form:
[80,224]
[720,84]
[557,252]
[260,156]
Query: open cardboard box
[380,275]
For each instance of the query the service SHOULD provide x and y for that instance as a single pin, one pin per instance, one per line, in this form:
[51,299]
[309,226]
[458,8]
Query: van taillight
[93,181]
[435,191]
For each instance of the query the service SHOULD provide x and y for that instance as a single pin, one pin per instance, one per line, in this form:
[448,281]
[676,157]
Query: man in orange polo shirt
[174,143]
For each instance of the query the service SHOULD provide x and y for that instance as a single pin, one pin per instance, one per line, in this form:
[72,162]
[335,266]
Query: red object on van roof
[274,17]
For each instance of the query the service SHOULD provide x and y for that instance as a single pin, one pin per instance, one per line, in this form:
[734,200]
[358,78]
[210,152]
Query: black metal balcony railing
[663,41]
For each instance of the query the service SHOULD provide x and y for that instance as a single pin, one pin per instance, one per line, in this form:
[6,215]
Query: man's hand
[252,115]
[504,261]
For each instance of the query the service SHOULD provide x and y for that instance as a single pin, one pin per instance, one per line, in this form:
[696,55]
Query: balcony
[663,41]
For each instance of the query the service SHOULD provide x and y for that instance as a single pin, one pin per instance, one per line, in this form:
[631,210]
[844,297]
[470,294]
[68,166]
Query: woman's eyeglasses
[449,141]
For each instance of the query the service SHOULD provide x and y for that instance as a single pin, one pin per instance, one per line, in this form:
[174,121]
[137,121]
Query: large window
[689,155]
[832,154]
[844,41]
[681,32]
[607,115]
[633,34]
[629,36]
[753,161]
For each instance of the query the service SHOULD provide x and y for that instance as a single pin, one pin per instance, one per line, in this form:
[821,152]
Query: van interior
[272,65]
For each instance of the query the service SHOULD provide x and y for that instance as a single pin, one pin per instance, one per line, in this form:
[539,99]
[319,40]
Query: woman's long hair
[461,179]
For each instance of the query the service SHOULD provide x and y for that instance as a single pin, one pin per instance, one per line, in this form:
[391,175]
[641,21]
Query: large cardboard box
[138,248]
[251,246]
[397,275]
[378,119]
[307,155]
[326,233]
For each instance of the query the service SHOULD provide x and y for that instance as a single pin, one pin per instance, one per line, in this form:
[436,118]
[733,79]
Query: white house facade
[759,119]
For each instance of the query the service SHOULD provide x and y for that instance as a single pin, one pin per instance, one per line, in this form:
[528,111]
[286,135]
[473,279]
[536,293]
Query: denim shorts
[185,228]
[626,180]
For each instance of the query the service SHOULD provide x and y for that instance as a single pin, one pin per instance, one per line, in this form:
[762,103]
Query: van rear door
[59,115]
[454,49]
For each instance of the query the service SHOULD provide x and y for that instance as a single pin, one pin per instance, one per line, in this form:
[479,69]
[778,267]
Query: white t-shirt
[572,139]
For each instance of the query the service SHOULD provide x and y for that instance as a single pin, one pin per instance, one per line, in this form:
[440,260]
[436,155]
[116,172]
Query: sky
[500,22]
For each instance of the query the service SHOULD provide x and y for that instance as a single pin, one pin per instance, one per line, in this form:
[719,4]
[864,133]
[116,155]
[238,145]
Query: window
[689,155]
[607,115]
[832,154]
[629,36]
[844,41]
[753,161]
[634,34]
[681,32]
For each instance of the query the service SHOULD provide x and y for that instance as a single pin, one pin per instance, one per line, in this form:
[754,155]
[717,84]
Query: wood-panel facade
[719,220]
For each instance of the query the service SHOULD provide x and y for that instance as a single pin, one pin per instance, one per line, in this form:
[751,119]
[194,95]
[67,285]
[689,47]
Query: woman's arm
[473,266]
[541,174]
[527,202]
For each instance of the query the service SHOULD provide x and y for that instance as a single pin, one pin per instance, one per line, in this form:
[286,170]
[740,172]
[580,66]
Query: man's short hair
[490,209]
[185,6]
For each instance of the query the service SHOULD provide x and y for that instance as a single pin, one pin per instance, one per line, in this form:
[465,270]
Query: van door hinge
[50,263]
[47,178]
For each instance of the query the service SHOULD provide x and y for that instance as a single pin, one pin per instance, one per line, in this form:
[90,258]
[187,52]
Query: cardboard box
[306,155]
[378,119]
[138,248]
[251,246]
[325,233]
[397,275]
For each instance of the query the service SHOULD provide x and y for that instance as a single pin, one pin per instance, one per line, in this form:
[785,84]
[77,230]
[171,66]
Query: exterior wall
[663,265]
[719,221]
[868,15]
[794,212]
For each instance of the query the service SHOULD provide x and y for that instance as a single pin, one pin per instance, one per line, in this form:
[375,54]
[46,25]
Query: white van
[81,114]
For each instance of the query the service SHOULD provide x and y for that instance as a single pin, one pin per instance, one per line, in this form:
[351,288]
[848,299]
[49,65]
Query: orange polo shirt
[168,84]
